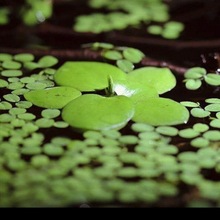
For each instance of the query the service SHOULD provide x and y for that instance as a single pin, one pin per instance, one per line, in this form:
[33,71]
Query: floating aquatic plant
[130,96]
[110,159]
[123,14]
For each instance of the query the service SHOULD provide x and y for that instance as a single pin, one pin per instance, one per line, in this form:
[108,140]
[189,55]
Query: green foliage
[43,162]
[194,77]
[36,11]
[123,14]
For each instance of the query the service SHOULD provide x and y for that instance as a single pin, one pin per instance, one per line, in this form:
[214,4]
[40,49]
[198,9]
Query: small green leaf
[36,86]
[5,105]
[212,135]
[125,65]
[167,130]
[213,107]
[3,83]
[190,104]
[155,29]
[188,133]
[213,100]
[24,57]
[12,65]
[94,112]
[195,73]
[200,127]
[27,116]
[160,111]
[133,55]
[56,97]
[11,98]
[45,123]
[11,73]
[47,61]
[50,113]
[199,113]
[161,79]
[5,57]
[193,84]
[87,76]
[215,123]
[112,55]
[212,79]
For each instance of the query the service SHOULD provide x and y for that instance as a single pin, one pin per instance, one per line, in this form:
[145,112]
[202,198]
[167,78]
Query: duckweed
[41,167]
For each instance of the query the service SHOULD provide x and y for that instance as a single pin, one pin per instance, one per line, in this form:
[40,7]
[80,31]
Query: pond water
[44,162]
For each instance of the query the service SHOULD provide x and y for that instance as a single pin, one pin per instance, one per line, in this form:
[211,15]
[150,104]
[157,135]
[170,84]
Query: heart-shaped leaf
[160,111]
[56,97]
[137,91]
[87,76]
[162,79]
[95,112]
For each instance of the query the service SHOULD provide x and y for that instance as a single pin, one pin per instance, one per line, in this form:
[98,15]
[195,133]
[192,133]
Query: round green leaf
[36,86]
[195,73]
[212,135]
[213,107]
[125,65]
[87,76]
[155,29]
[45,123]
[161,79]
[160,111]
[193,84]
[11,98]
[199,113]
[190,104]
[215,123]
[56,97]
[24,57]
[11,73]
[94,112]
[47,61]
[188,133]
[200,127]
[13,65]
[200,142]
[5,57]
[133,55]
[50,113]
[112,55]
[141,127]
[3,83]
[5,105]
[166,130]
[212,79]
[27,116]
[213,100]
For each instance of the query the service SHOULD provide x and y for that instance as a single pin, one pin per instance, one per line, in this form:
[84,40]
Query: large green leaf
[137,91]
[95,112]
[87,76]
[56,97]
[162,79]
[160,111]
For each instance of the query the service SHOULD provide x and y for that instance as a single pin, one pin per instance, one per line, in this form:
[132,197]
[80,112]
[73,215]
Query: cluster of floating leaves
[125,57]
[31,12]
[194,77]
[123,14]
[42,165]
